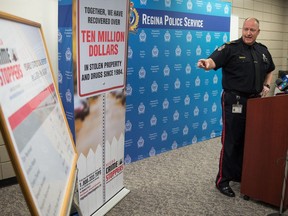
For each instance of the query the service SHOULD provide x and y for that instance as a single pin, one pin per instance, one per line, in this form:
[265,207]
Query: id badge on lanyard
[237,108]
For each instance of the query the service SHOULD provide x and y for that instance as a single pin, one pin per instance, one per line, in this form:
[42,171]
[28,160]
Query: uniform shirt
[238,72]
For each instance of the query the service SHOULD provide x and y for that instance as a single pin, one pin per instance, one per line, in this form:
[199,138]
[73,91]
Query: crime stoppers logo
[134,19]
[113,169]
[10,69]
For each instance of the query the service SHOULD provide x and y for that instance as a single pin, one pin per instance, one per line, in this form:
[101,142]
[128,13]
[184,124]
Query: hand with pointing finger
[206,64]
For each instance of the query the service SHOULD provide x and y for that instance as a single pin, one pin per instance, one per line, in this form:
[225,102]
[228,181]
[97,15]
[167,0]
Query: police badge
[134,19]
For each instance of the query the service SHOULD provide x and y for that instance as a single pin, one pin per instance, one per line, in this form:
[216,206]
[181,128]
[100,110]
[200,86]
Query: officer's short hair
[252,18]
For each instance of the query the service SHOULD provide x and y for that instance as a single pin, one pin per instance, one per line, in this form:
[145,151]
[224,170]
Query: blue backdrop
[171,103]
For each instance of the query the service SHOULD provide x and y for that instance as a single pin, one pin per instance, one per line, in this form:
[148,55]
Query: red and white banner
[101,46]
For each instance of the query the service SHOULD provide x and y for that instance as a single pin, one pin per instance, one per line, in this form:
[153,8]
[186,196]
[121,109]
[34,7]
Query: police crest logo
[134,18]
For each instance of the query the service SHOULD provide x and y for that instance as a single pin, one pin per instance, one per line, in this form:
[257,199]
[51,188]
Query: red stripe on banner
[21,114]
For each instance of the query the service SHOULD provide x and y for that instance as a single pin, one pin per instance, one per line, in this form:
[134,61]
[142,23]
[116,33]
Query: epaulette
[262,45]
[228,43]
[233,42]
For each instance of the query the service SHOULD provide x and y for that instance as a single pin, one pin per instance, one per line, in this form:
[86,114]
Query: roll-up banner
[93,85]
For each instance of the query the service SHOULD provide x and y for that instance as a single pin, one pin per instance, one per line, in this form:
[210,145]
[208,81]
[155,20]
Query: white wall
[44,12]
[234,27]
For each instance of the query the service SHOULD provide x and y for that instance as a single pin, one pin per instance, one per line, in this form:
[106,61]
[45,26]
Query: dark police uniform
[239,84]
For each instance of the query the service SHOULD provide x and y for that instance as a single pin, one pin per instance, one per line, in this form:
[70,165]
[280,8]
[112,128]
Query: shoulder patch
[221,47]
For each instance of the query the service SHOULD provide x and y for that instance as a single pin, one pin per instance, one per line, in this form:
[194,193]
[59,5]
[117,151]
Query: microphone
[285,78]
[282,84]
[283,75]
[278,82]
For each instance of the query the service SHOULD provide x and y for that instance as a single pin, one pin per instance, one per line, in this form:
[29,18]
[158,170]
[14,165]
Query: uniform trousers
[233,136]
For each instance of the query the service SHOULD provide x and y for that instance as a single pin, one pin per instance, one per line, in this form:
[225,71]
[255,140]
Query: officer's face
[250,31]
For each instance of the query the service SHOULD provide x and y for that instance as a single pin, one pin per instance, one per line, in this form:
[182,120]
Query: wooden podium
[266,142]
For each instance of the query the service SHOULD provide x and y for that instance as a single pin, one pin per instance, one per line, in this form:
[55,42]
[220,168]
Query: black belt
[242,94]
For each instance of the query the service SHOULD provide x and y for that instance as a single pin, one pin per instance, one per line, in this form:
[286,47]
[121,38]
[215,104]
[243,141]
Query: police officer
[247,73]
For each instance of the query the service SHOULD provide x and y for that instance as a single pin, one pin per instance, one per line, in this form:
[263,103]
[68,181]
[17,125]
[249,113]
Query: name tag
[237,108]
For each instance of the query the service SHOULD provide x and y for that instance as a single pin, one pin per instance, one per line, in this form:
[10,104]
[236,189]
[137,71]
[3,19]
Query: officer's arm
[268,79]
[206,64]
[266,84]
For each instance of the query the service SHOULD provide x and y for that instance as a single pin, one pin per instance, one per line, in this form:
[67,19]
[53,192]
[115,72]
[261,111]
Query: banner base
[112,202]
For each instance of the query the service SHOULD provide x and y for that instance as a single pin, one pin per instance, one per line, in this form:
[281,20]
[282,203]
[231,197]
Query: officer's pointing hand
[206,64]
[203,64]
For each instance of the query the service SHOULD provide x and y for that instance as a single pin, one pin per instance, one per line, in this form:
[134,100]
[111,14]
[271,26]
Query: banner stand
[105,208]
[112,202]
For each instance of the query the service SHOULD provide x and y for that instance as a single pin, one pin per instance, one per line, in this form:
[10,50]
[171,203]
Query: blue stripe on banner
[176,20]
[65,69]
[65,16]
[64,2]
